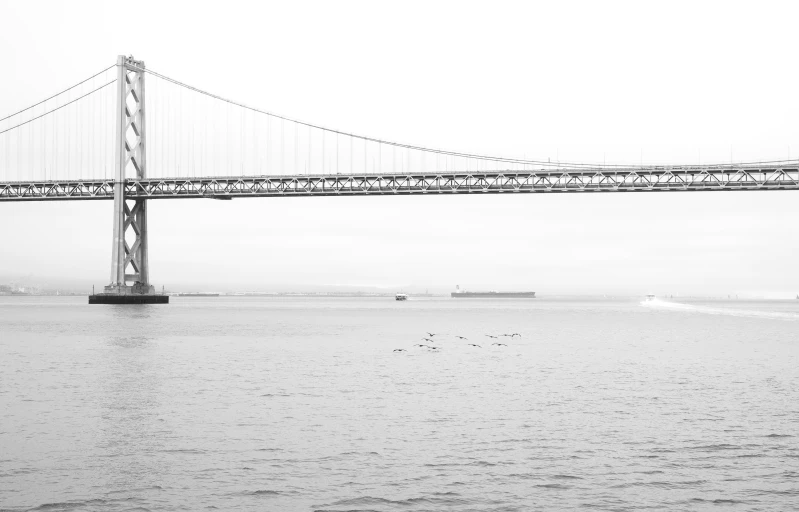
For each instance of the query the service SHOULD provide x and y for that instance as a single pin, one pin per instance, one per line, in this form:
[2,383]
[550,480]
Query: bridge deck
[643,179]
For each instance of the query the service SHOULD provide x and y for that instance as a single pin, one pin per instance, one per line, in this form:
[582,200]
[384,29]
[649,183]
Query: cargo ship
[458,294]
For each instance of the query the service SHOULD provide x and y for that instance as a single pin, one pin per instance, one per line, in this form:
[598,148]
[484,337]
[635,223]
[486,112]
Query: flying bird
[431,334]
[493,337]
[473,345]
[500,344]
[462,337]
[399,350]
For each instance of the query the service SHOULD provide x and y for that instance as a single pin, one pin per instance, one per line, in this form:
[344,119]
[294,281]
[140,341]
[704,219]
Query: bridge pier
[130,216]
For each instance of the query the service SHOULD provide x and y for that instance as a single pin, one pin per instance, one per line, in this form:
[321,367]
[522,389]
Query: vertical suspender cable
[169,131]
[55,143]
[256,153]
[91,149]
[151,121]
[227,136]
[163,134]
[44,146]
[69,141]
[268,144]
[185,135]
[30,148]
[180,119]
[195,155]
[91,146]
[241,141]
[78,141]
[19,146]
[83,136]
[205,154]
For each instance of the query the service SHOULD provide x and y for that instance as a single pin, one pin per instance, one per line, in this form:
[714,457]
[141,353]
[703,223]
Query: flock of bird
[431,335]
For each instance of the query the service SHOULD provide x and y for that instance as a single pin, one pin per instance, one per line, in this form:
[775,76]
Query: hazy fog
[672,83]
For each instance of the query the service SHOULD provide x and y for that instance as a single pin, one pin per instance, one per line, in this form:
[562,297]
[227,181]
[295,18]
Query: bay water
[294,403]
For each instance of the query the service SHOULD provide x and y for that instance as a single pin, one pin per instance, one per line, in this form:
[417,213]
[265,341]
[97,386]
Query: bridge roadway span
[628,179]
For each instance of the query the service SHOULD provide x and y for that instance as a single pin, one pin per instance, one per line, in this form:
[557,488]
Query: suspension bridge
[109,138]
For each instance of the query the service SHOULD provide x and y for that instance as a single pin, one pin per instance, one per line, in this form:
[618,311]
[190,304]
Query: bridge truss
[645,179]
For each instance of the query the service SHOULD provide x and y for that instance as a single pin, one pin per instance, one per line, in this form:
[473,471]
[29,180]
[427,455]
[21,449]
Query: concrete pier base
[138,293]
[109,298]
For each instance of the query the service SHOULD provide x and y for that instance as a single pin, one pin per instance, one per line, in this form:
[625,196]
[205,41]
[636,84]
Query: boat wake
[709,310]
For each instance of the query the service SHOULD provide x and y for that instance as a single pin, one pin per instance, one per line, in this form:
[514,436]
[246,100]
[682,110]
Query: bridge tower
[130,217]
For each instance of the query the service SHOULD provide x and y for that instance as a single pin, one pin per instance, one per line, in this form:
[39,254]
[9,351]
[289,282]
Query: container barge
[458,294]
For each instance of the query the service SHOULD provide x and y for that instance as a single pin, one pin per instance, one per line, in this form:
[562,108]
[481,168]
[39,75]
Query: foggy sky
[617,82]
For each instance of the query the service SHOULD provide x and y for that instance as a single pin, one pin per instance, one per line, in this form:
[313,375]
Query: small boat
[650,297]
[400,296]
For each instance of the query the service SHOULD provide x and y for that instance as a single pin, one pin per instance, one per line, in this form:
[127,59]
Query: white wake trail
[709,310]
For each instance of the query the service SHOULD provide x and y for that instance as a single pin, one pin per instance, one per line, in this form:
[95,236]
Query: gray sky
[674,82]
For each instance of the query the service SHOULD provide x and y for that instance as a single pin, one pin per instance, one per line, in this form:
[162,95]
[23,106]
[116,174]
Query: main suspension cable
[57,108]
[361,137]
[60,93]
[557,164]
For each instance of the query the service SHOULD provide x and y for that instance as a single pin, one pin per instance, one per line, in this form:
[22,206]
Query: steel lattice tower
[129,216]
